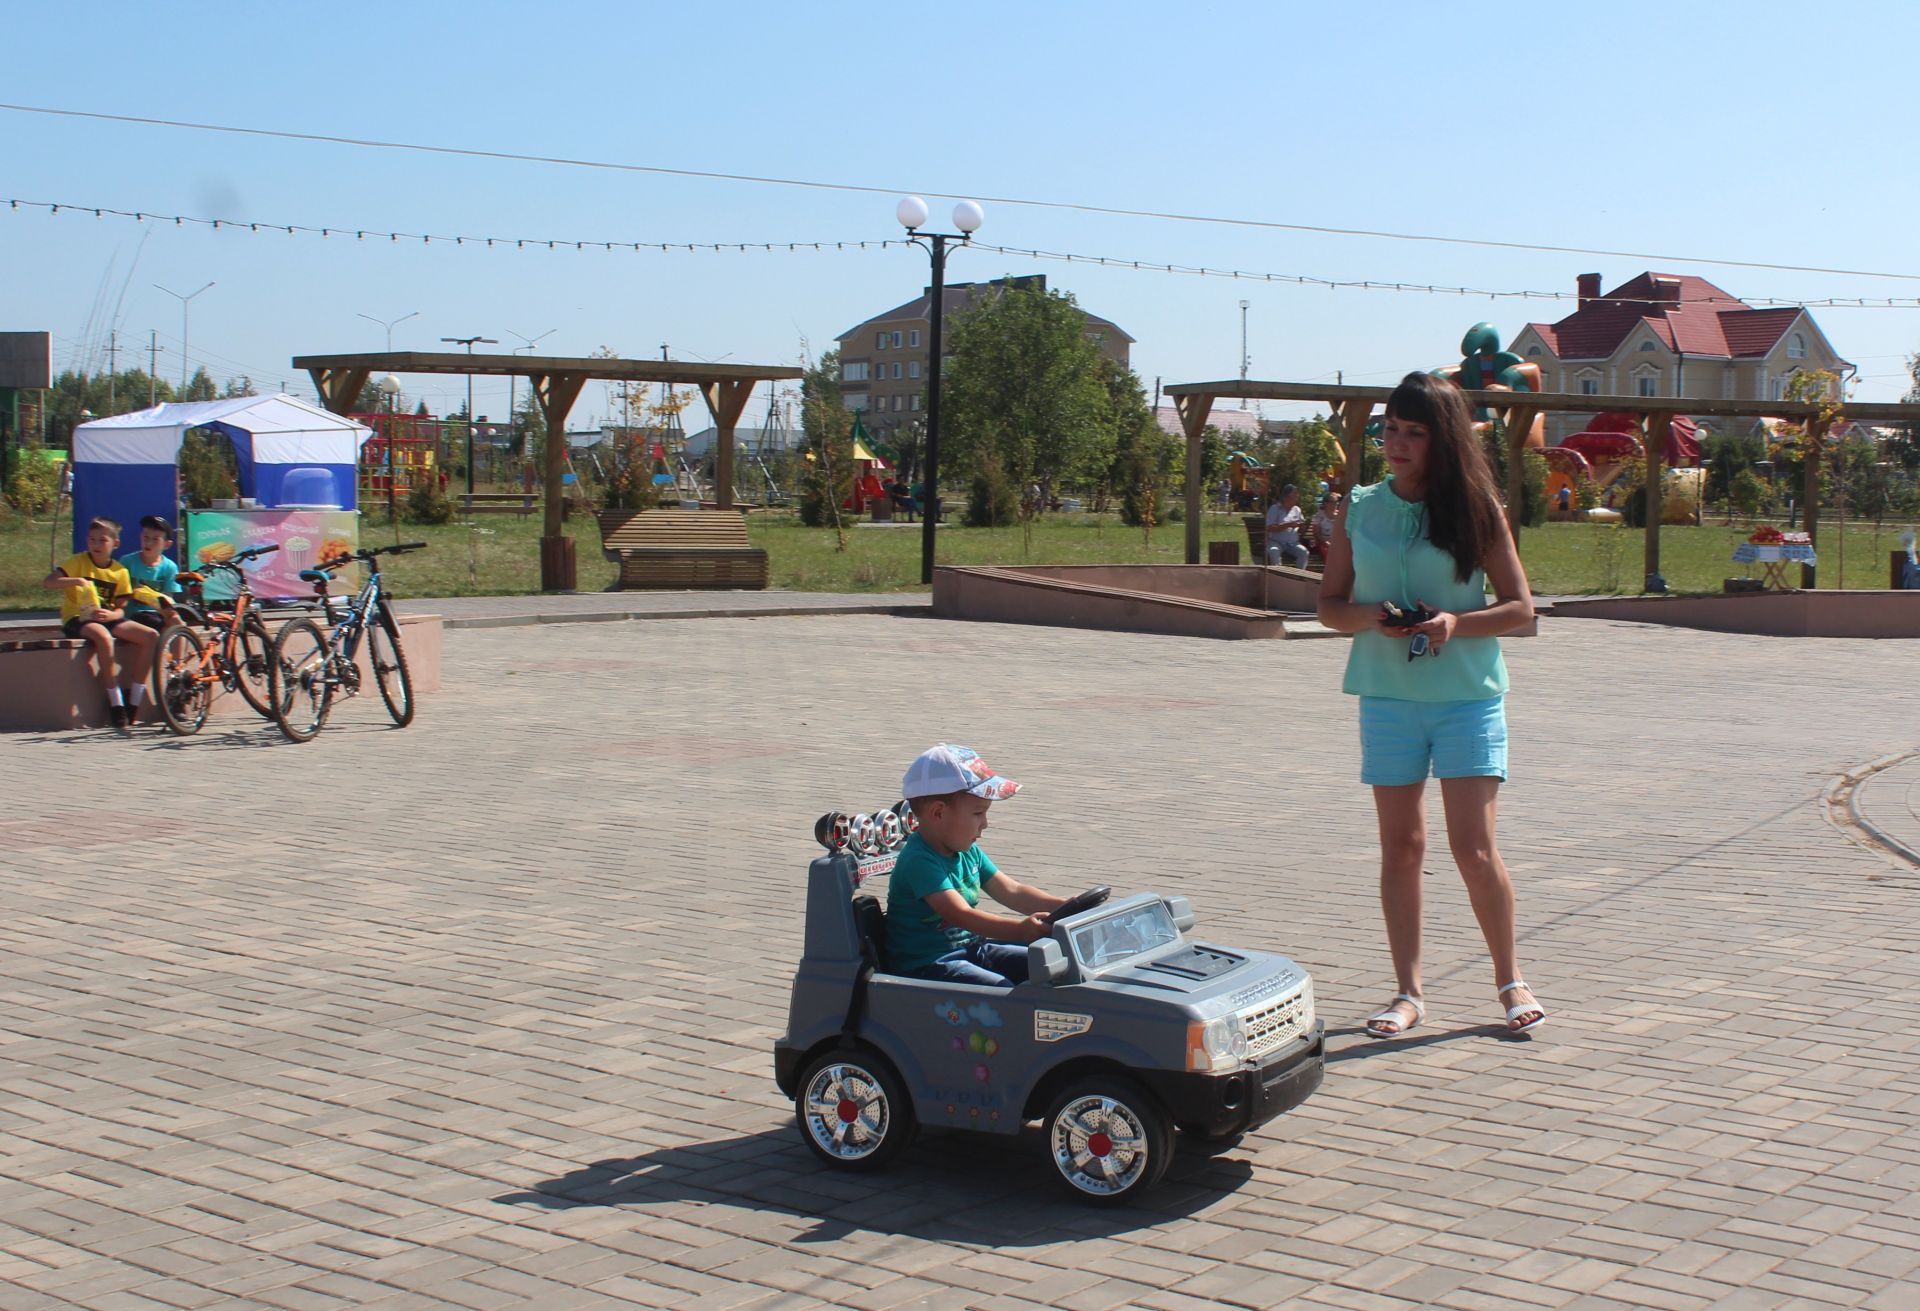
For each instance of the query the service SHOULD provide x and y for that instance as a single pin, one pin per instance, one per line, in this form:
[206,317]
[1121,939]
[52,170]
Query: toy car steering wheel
[1074,905]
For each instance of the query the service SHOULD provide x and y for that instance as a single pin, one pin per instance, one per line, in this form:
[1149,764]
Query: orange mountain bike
[188,668]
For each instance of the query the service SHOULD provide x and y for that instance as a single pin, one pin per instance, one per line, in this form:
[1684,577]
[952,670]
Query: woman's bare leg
[1403,853]
[1471,805]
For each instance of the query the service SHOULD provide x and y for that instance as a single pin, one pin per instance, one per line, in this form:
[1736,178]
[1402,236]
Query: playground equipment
[401,455]
[1246,480]
[1486,367]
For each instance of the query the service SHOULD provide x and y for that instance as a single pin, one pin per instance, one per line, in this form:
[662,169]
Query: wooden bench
[1257,541]
[499,503]
[678,549]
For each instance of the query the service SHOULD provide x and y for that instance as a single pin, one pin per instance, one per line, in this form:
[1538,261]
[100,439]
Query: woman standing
[1408,577]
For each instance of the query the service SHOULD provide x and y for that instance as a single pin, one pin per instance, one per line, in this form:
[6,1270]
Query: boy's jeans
[990,964]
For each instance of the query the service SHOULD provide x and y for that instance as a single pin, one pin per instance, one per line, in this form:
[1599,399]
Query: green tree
[200,387]
[827,477]
[1024,387]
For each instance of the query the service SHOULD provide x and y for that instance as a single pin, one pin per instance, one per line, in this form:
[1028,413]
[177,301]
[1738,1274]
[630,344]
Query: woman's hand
[1439,629]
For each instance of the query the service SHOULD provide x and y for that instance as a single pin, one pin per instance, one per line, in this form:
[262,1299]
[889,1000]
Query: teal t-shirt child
[161,577]
[1394,559]
[916,936]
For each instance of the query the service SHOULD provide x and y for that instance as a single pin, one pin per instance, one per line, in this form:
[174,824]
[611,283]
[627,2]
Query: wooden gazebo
[1352,408]
[557,381]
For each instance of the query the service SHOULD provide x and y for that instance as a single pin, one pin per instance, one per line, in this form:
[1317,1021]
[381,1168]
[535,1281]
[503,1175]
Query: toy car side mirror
[1182,911]
[1046,963]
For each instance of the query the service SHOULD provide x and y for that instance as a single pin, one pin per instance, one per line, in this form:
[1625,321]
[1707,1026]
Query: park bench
[1257,541]
[499,502]
[677,549]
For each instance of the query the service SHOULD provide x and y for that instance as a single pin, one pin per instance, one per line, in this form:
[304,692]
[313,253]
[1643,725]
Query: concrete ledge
[47,682]
[1764,614]
[1218,601]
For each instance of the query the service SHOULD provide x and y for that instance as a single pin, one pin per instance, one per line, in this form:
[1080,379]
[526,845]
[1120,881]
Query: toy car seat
[870,922]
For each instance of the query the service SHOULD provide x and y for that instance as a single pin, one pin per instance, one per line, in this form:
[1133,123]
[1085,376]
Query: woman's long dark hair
[1463,509]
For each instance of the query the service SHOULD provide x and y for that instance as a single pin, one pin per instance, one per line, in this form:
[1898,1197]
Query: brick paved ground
[478,1014]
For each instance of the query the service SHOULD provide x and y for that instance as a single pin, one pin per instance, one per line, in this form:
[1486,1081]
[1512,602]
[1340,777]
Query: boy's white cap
[939,771]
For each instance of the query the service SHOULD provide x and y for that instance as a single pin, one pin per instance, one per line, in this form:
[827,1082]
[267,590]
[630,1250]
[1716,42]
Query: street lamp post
[531,345]
[468,342]
[185,301]
[389,325]
[390,388]
[967,216]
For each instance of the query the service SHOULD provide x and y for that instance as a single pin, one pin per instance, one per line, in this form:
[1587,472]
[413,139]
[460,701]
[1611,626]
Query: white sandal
[1533,1008]
[1393,1017]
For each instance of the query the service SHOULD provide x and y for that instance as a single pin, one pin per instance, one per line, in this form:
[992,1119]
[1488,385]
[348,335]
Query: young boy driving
[95,589]
[935,928]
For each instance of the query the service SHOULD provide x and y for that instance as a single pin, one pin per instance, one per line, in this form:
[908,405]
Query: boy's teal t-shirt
[1394,559]
[916,936]
[159,577]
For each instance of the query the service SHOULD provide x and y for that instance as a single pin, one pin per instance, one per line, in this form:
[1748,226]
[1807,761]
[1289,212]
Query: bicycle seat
[317,577]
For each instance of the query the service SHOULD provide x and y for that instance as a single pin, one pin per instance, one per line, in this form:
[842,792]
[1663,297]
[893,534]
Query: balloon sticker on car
[1052,1026]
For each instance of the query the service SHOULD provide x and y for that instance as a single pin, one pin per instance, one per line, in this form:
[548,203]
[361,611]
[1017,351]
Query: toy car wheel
[852,1111]
[1109,1139]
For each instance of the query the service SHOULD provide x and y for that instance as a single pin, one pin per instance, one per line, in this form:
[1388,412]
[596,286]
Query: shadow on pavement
[1370,1046]
[950,1187]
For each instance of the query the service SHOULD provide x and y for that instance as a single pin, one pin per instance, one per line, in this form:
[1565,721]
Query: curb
[618,616]
[1850,784]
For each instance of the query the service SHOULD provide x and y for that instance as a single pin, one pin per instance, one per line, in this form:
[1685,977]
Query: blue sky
[1762,132]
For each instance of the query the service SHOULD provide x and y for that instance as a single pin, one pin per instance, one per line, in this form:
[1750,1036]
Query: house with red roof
[1665,334]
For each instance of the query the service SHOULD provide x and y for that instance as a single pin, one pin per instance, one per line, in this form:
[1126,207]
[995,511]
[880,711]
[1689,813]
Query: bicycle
[311,665]
[187,667]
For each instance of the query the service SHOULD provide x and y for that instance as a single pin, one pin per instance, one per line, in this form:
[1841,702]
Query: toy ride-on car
[1126,1030]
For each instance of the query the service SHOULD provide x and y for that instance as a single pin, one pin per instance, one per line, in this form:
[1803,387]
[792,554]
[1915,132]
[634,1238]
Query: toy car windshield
[1129,932]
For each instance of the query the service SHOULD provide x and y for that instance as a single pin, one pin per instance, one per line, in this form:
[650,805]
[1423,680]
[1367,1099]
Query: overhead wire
[1121,263]
[866,189]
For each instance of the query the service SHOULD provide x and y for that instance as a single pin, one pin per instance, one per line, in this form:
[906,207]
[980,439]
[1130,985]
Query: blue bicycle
[312,665]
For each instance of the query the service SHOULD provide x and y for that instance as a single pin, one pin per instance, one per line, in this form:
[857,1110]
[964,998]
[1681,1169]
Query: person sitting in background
[1285,519]
[1326,522]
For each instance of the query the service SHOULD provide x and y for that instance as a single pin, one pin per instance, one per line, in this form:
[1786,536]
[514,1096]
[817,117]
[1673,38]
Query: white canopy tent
[124,467]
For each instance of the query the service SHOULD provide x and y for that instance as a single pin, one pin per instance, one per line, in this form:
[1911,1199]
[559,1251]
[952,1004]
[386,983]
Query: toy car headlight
[1216,1044]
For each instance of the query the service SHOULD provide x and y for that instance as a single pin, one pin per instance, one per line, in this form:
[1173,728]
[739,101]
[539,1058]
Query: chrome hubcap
[846,1112]
[1099,1145]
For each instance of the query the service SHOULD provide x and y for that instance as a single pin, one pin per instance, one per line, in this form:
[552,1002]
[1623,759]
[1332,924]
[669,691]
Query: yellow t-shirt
[108,586]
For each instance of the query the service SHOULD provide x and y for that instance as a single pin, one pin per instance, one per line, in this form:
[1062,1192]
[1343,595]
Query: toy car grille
[1281,1022]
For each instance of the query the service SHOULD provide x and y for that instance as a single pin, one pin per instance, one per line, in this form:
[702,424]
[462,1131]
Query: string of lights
[1275,225]
[447,239]
[602,245]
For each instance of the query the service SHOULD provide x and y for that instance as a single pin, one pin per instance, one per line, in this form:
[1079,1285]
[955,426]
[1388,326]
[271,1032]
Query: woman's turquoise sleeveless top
[1395,560]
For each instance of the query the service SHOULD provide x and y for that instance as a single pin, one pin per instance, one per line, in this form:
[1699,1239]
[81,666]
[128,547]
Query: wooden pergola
[1352,408]
[557,381]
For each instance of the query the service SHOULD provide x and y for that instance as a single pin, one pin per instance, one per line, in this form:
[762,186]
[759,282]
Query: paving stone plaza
[479,1014]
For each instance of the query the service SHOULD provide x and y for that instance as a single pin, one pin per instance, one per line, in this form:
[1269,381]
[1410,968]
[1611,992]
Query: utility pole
[153,367]
[468,343]
[113,365]
[185,301]
[1243,348]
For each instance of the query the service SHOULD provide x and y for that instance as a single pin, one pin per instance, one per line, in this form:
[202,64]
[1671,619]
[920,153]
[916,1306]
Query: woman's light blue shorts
[1402,741]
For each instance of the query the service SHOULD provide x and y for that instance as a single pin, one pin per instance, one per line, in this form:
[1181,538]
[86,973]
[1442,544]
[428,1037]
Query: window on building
[1797,346]
[898,367]
[913,368]
[1590,385]
[1648,345]
[896,403]
[896,340]
[1646,384]
[913,337]
[879,341]
[854,400]
[1533,350]
[855,371]
[913,401]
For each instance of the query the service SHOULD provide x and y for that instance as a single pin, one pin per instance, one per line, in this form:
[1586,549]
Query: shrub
[991,499]
[426,504]
[207,467]
[35,484]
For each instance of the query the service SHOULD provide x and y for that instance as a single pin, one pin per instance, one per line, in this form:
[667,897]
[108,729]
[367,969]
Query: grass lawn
[500,554]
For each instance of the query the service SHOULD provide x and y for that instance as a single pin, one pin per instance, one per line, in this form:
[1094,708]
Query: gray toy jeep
[1126,1030]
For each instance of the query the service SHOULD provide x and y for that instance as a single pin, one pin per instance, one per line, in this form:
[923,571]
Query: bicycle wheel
[300,690]
[254,652]
[389,661]
[178,689]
